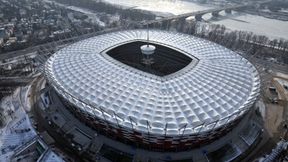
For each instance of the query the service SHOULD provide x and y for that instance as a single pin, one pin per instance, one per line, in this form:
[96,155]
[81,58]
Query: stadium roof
[216,88]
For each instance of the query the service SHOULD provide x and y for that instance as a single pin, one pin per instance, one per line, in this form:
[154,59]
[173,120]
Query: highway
[15,81]
[30,50]
[270,65]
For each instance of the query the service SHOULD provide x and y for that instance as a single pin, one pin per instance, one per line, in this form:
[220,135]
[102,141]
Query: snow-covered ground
[52,157]
[261,106]
[25,98]
[18,129]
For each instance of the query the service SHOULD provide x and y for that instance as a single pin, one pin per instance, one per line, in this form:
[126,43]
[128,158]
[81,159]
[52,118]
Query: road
[282,68]
[15,81]
[31,50]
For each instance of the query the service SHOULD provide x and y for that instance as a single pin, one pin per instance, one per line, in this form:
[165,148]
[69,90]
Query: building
[189,94]
[35,150]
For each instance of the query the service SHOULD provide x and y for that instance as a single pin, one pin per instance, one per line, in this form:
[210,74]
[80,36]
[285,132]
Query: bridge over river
[214,11]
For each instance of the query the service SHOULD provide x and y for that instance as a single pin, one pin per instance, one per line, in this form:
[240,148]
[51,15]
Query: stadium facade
[193,92]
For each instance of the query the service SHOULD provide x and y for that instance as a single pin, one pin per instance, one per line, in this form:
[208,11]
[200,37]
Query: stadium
[187,93]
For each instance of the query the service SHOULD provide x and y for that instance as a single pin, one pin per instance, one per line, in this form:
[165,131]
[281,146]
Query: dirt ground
[276,116]
[273,118]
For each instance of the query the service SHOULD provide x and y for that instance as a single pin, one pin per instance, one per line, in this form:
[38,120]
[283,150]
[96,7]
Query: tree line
[236,40]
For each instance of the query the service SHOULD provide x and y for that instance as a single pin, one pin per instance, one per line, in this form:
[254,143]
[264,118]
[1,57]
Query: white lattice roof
[220,85]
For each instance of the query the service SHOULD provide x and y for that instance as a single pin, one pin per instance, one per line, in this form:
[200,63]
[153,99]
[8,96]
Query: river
[272,28]
[235,21]
[175,7]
